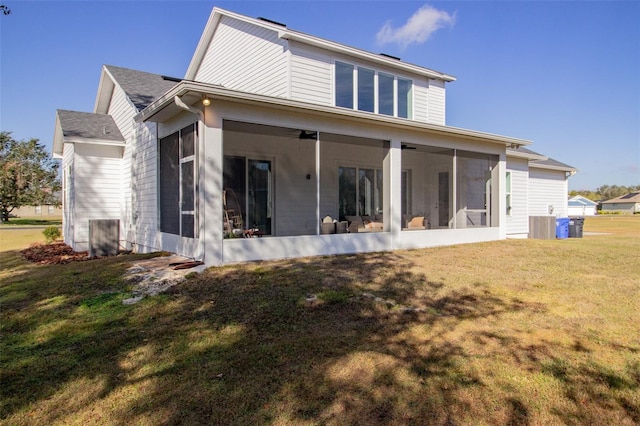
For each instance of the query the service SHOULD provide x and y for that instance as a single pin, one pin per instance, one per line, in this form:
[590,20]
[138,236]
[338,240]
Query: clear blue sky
[565,75]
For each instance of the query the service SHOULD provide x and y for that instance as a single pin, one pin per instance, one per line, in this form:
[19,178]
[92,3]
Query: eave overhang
[288,34]
[567,169]
[364,55]
[191,92]
[525,155]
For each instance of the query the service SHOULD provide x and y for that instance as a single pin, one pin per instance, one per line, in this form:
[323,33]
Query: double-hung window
[368,90]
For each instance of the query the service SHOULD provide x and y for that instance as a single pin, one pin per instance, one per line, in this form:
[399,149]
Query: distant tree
[605,192]
[28,175]
[5,9]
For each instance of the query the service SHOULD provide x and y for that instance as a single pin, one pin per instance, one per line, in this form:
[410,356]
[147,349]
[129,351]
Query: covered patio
[308,180]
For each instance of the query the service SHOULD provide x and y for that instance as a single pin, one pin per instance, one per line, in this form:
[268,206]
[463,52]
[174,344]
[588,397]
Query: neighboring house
[43,210]
[628,204]
[270,131]
[535,185]
[581,206]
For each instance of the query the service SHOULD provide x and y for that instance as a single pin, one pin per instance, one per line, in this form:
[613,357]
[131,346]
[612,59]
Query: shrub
[51,234]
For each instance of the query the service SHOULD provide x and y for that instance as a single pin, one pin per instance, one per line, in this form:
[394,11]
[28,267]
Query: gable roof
[141,87]
[288,34]
[540,161]
[551,164]
[521,152]
[580,201]
[84,127]
[633,197]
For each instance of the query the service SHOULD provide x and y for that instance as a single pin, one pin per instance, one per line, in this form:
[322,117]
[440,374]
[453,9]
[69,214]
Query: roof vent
[390,56]
[272,22]
[167,78]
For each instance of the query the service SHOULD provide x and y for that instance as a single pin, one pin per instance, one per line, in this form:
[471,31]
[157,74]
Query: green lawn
[507,332]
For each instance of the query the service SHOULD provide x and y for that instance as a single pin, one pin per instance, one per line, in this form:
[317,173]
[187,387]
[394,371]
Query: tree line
[605,192]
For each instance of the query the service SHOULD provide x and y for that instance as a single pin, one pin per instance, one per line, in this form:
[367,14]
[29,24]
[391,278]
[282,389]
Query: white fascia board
[219,93]
[573,170]
[528,156]
[105,90]
[58,142]
[287,34]
[93,141]
[363,54]
[203,44]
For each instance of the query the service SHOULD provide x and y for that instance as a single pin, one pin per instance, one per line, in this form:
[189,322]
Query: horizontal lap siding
[547,187]
[68,207]
[310,75]
[97,180]
[421,100]
[122,111]
[518,222]
[245,57]
[144,185]
[437,102]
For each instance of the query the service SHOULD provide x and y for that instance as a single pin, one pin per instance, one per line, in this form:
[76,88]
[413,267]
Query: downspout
[181,104]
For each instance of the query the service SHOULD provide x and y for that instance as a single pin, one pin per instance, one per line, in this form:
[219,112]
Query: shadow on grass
[243,345]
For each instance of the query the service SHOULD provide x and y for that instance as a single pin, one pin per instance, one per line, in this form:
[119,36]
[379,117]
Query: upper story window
[344,85]
[365,89]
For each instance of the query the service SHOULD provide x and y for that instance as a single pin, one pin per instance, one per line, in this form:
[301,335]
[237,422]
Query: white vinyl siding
[122,111]
[144,183]
[436,103]
[310,75]
[518,220]
[97,187]
[421,100]
[242,56]
[547,188]
[68,194]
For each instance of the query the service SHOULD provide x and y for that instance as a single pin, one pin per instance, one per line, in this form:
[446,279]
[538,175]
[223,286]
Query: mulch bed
[54,253]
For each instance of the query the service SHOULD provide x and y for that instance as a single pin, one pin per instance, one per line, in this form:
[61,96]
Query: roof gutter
[220,93]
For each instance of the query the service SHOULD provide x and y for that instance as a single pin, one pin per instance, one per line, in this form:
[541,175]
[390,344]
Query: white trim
[196,89]
[287,34]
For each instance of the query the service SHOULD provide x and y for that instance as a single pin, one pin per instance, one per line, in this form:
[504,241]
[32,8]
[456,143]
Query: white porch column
[392,199]
[211,217]
[499,196]
[318,182]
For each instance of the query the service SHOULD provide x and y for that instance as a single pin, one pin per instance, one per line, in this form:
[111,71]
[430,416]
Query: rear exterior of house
[273,132]
[535,185]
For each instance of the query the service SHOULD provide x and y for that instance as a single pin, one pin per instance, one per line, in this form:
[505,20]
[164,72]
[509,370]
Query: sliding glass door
[251,181]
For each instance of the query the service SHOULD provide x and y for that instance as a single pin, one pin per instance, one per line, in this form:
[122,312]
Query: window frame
[354,89]
[180,162]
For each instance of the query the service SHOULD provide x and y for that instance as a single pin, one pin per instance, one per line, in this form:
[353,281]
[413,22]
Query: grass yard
[507,332]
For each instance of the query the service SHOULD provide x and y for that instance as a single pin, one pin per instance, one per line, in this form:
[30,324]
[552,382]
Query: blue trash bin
[562,227]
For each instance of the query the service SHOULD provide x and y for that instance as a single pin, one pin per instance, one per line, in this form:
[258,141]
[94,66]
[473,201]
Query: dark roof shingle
[88,126]
[141,87]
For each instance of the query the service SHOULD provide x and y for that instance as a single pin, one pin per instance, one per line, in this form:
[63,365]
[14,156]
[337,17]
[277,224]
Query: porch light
[206,101]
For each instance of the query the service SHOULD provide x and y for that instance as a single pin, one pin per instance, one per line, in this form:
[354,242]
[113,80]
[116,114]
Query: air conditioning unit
[104,236]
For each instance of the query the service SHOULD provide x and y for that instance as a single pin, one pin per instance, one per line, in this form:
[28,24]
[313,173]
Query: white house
[273,130]
[581,206]
[535,185]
